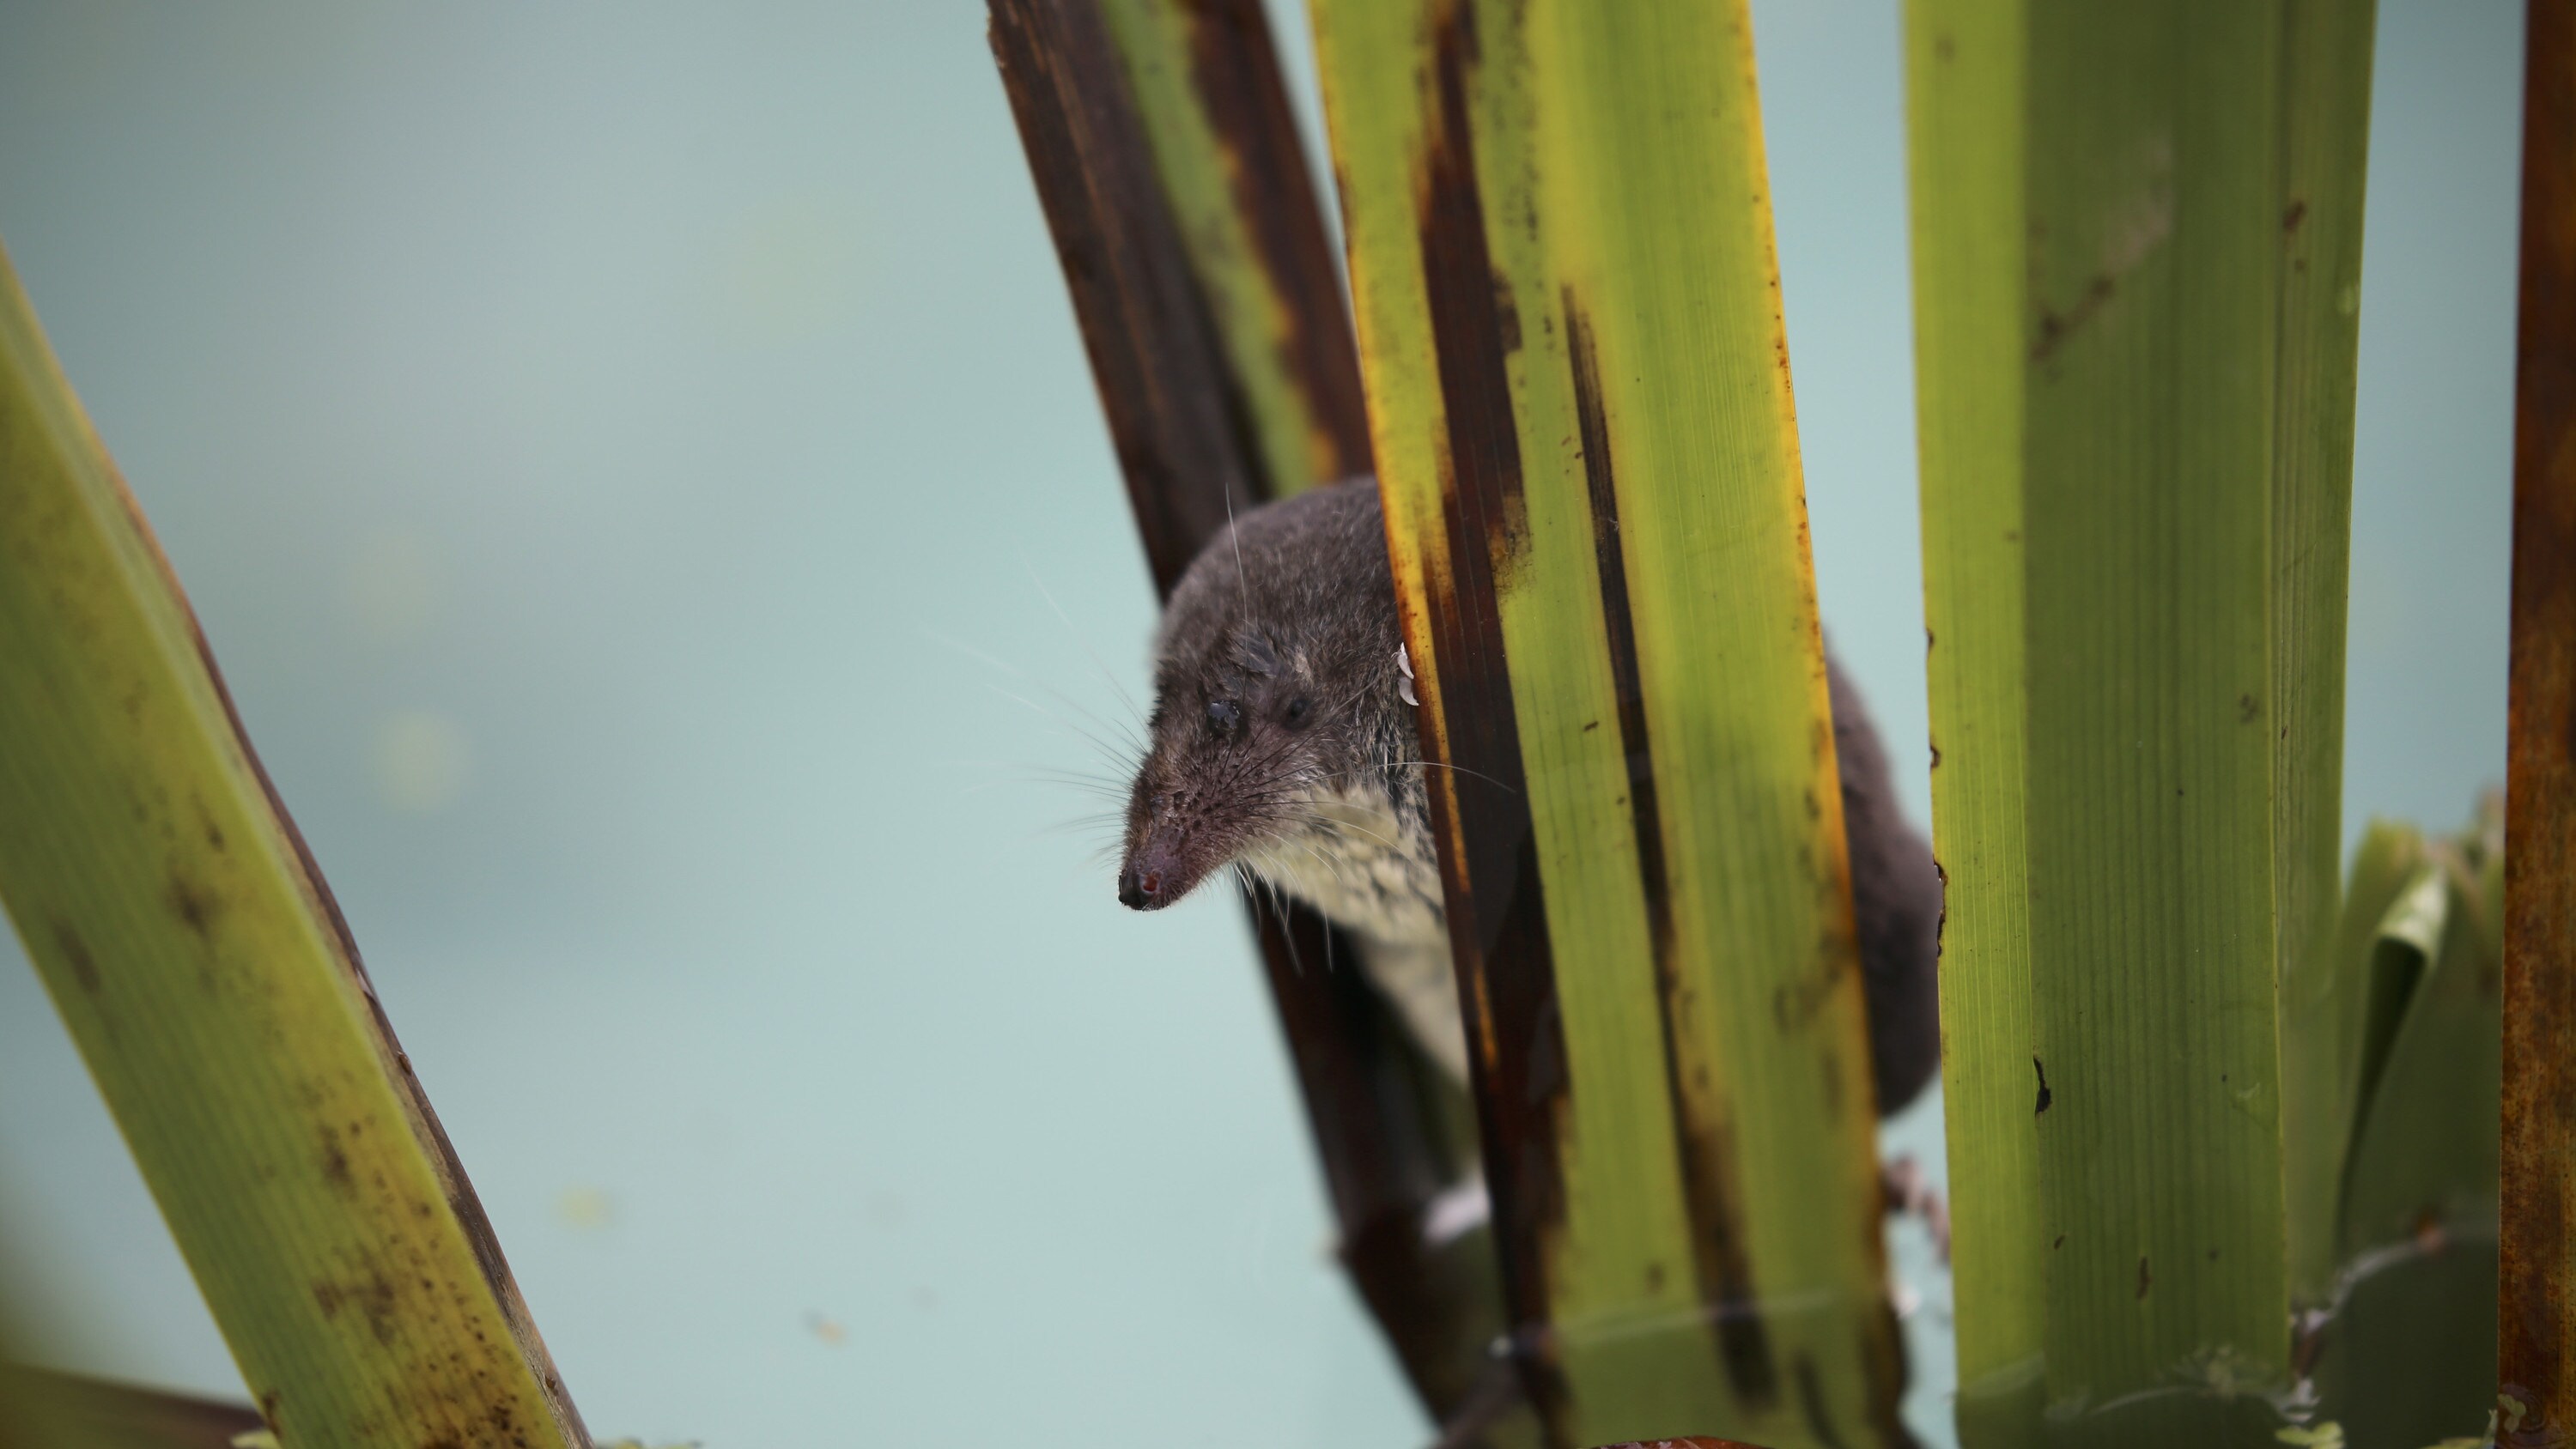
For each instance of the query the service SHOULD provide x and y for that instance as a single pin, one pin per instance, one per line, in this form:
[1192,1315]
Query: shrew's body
[1283,742]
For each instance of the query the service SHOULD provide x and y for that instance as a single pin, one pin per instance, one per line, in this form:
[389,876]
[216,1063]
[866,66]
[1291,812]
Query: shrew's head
[1276,680]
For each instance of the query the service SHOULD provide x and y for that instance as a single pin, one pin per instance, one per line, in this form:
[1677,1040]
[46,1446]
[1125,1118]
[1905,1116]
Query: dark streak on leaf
[195,906]
[1507,315]
[335,1162]
[76,955]
[1490,868]
[2043,1086]
[1811,1402]
[1236,73]
[1706,1148]
[1155,354]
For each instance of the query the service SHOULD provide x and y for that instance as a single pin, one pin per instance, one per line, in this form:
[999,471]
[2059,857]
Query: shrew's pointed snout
[1149,880]
[1138,887]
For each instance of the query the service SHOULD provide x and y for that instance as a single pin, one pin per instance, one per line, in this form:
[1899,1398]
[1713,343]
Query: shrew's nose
[1140,886]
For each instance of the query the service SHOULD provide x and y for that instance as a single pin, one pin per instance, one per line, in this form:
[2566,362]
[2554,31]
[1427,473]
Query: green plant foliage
[205,976]
[1200,73]
[2136,248]
[2418,1216]
[2324,131]
[2324,1021]
[1965,138]
[1561,260]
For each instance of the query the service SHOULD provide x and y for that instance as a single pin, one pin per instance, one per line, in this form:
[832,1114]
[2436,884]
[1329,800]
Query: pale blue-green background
[604,441]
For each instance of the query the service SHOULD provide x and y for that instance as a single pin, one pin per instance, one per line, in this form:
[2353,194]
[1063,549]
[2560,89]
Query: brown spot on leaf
[195,906]
[2055,326]
[2296,213]
[1234,70]
[75,952]
[214,834]
[373,1296]
[2045,1097]
[335,1162]
[2146,1279]
[1811,1402]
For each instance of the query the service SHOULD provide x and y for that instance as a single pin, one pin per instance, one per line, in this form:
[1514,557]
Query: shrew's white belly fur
[1353,860]
[1350,858]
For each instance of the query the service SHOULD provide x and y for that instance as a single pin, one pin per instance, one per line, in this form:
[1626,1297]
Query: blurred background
[638,470]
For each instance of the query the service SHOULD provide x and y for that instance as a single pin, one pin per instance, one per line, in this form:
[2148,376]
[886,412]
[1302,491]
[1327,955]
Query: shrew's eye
[1224,716]
[1298,710]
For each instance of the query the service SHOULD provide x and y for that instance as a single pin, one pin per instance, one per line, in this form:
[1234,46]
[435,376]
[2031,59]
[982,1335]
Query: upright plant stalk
[1560,242]
[1168,163]
[2537,1333]
[211,985]
[2325,127]
[1966,137]
[2137,263]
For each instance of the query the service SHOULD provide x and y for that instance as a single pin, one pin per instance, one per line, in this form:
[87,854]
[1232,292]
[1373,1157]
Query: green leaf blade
[1569,318]
[2135,518]
[195,955]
